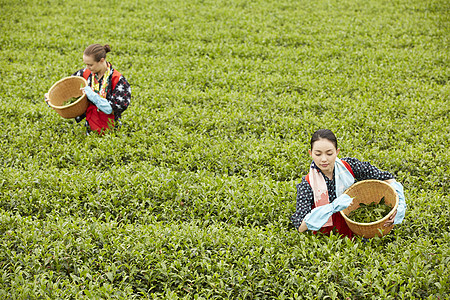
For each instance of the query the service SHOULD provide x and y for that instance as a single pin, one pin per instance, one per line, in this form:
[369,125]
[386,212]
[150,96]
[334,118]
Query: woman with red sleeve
[108,92]
[329,176]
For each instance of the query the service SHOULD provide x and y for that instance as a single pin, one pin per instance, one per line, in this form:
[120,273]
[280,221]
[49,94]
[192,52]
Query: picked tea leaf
[371,212]
[70,101]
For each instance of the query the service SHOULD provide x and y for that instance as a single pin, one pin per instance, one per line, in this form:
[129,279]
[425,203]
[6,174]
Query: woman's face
[92,65]
[324,155]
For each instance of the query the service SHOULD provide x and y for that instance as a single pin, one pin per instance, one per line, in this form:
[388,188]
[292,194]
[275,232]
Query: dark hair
[324,134]
[97,51]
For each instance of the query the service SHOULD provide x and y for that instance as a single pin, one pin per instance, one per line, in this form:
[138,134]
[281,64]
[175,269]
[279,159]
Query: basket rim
[71,104]
[382,220]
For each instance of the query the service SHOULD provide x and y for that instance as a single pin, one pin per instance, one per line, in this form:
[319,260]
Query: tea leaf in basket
[70,101]
[371,212]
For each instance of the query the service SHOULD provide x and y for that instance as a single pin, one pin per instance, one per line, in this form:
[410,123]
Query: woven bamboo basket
[368,191]
[65,89]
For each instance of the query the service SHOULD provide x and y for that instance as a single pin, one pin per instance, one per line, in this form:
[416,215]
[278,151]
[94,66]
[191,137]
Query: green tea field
[192,197]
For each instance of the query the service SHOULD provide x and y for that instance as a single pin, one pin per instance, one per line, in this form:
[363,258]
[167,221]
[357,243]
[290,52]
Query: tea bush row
[192,197]
[221,260]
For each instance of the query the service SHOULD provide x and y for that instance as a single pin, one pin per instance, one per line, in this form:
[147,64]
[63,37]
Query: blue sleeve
[320,215]
[401,209]
[100,102]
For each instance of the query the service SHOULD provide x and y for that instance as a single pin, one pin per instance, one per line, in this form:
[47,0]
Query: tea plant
[192,197]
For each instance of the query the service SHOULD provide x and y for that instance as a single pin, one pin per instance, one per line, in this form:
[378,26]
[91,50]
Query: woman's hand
[46,98]
[390,221]
[302,227]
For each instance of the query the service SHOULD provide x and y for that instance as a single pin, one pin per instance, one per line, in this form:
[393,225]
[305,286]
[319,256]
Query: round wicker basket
[368,191]
[65,89]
